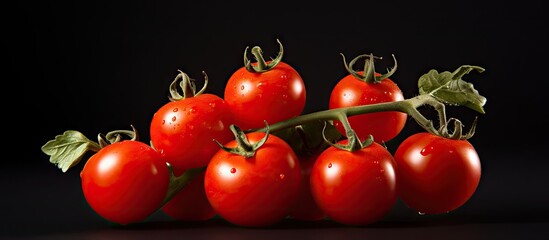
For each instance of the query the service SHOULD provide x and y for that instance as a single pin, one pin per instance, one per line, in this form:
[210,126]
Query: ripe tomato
[355,188]
[190,203]
[274,95]
[306,208]
[183,130]
[351,91]
[125,182]
[256,191]
[436,174]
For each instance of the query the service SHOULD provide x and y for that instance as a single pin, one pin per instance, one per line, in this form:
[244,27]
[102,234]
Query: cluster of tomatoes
[255,178]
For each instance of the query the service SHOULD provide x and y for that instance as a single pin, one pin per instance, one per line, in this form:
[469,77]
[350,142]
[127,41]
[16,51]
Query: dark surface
[97,67]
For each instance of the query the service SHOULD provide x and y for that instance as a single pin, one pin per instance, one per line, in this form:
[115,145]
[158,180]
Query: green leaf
[67,150]
[449,88]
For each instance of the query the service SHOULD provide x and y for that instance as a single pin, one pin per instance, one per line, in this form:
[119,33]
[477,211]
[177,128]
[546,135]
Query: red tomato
[355,188]
[306,208]
[125,182]
[436,174]
[383,126]
[190,203]
[273,96]
[183,130]
[256,191]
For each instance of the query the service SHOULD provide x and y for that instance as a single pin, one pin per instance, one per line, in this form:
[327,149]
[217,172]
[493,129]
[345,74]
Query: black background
[99,66]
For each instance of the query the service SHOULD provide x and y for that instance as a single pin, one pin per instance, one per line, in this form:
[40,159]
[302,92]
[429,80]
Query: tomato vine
[436,90]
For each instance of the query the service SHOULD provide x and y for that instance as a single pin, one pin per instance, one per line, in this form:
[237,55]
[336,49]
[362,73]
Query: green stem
[408,106]
[178,183]
[258,55]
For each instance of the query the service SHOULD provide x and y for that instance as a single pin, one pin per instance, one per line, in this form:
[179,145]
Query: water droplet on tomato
[260,85]
[192,110]
[233,170]
[281,176]
[329,165]
[212,104]
[284,76]
[285,96]
[191,127]
[175,109]
[174,118]
[426,150]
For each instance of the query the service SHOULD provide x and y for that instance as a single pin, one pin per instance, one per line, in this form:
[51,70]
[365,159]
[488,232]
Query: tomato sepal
[369,74]
[262,65]
[187,86]
[244,147]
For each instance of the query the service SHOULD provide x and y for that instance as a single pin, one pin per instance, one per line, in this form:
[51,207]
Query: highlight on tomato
[369,87]
[261,91]
[183,129]
[355,183]
[254,180]
[124,181]
[437,174]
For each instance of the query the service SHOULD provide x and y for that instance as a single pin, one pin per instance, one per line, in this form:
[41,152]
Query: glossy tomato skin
[355,188]
[183,131]
[272,96]
[306,208]
[190,203]
[256,191]
[384,126]
[125,182]
[437,174]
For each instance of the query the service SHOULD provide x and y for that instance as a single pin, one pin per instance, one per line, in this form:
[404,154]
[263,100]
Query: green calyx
[261,65]
[457,132]
[116,136]
[353,142]
[186,85]
[368,73]
[244,147]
